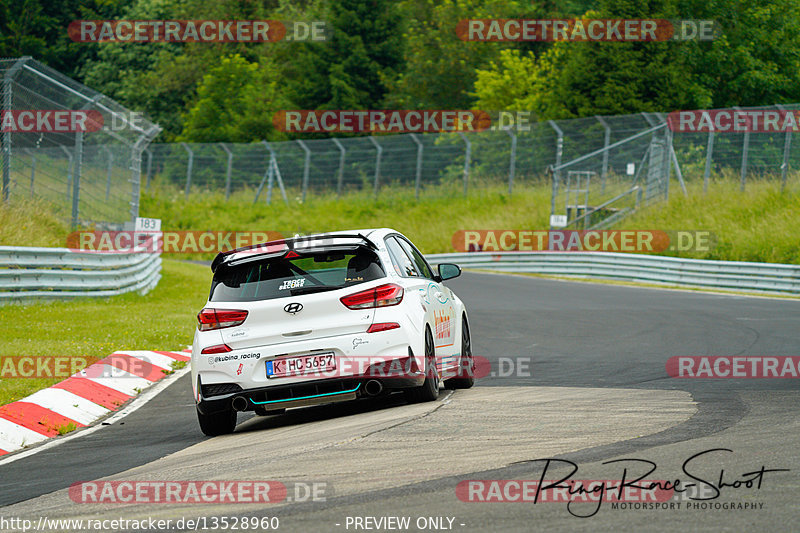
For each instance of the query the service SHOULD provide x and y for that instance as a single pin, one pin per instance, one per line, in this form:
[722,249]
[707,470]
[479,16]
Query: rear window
[279,277]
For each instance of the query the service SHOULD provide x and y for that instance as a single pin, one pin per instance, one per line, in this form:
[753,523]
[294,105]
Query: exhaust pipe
[373,387]
[239,403]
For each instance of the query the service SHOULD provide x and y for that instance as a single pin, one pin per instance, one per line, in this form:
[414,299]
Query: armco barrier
[58,273]
[737,275]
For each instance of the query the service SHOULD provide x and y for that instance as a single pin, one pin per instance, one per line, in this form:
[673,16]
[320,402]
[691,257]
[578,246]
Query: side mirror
[449,271]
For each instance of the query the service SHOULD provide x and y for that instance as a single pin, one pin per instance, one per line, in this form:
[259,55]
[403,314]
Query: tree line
[390,54]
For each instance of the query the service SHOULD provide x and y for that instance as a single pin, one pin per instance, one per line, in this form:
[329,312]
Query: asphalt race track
[596,389]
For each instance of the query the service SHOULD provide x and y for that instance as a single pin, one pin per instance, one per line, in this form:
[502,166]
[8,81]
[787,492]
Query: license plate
[301,365]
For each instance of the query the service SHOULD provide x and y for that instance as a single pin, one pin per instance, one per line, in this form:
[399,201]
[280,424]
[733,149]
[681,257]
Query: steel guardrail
[28,273]
[736,275]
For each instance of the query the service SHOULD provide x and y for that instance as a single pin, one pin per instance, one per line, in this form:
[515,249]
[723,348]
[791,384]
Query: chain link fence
[89,174]
[610,163]
[599,168]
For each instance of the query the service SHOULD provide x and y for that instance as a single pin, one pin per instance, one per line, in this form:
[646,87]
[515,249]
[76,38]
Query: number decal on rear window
[292,284]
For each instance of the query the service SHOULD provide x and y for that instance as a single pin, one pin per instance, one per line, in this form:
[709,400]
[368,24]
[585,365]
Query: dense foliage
[405,53]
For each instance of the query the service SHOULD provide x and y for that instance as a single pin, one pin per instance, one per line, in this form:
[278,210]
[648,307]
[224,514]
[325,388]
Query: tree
[349,70]
[235,102]
[440,68]
[755,61]
[38,28]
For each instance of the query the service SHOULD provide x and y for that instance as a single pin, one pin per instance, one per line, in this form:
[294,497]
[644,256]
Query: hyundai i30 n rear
[322,319]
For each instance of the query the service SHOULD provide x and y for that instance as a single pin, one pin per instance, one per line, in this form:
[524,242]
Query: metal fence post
[512,164]
[76,177]
[606,142]
[418,175]
[379,148]
[6,152]
[467,160]
[6,138]
[276,174]
[787,148]
[668,155]
[189,166]
[306,167]
[745,149]
[228,169]
[33,169]
[136,167]
[149,167]
[69,172]
[557,171]
[709,158]
[108,170]
[340,178]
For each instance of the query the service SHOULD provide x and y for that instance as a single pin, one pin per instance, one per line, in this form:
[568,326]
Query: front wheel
[466,365]
[220,423]
[429,390]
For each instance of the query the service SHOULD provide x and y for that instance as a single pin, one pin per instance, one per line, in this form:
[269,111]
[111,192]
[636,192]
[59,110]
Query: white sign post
[558,221]
[147,235]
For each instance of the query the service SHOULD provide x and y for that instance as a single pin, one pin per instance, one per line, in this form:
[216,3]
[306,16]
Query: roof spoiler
[290,243]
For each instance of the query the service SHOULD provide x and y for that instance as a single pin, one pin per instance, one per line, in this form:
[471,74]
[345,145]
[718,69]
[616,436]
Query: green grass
[164,319]
[761,224]
[430,222]
[67,428]
[31,223]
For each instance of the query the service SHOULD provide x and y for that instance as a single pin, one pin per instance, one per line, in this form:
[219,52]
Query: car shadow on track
[304,415]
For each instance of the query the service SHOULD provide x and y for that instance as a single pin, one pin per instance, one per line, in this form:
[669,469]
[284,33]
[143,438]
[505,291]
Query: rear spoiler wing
[314,241]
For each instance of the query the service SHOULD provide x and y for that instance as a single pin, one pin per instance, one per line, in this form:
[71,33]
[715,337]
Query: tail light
[217,348]
[209,319]
[383,296]
[382,326]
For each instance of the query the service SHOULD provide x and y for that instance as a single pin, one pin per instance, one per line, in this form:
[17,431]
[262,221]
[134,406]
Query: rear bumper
[306,393]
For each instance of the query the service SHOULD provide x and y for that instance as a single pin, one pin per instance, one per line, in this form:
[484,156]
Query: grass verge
[429,222]
[163,319]
[761,224]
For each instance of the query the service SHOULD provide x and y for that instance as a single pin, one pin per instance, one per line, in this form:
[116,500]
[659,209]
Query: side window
[419,261]
[402,263]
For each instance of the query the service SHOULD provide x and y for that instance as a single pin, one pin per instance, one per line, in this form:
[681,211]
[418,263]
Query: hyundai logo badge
[293,307]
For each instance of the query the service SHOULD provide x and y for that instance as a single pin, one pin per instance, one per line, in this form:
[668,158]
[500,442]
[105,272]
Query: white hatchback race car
[322,319]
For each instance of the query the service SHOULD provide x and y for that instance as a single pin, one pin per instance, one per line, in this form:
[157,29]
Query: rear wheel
[220,423]
[429,390]
[466,366]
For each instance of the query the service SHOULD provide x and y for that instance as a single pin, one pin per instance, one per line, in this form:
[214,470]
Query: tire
[466,365]
[215,424]
[429,390]
[261,411]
